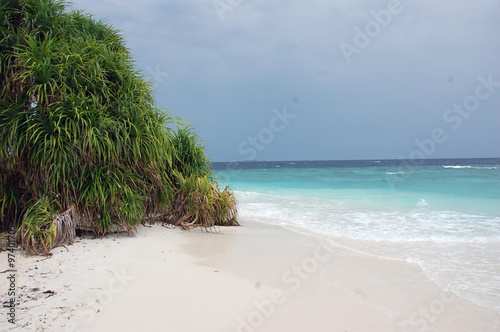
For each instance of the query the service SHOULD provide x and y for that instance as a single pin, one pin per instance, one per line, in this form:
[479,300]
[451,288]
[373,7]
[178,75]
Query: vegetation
[82,144]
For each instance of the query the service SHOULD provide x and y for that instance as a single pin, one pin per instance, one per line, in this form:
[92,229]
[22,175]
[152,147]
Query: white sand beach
[250,278]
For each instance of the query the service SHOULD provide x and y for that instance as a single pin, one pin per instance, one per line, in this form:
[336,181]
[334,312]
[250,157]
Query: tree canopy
[82,142]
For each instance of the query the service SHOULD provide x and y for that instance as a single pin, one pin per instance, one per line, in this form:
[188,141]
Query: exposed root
[65,227]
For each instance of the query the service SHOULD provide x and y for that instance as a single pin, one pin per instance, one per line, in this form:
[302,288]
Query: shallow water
[442,215]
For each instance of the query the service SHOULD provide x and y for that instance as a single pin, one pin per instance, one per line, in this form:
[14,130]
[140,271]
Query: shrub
[79,128]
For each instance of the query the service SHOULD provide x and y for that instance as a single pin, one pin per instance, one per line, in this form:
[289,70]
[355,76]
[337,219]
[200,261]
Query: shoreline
[255,277]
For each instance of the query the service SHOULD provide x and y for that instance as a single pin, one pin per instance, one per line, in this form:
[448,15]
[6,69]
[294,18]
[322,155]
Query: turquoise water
[443,216]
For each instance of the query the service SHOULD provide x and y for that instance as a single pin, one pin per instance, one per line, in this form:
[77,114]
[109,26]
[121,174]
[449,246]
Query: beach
[184,166]
[251,278]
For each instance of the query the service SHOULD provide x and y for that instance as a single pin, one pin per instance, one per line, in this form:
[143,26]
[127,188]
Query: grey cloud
[226,76]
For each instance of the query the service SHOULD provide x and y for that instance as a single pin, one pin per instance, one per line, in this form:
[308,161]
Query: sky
[322,79]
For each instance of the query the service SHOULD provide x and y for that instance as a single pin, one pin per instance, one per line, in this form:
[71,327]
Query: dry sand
[250,278]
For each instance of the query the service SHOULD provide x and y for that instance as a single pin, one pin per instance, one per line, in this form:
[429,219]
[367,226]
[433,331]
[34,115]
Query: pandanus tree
[82,143]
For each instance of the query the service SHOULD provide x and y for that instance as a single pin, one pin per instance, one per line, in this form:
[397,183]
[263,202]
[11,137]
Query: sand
[250,278]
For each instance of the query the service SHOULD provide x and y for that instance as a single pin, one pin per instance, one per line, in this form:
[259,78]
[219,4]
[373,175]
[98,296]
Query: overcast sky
[321,80]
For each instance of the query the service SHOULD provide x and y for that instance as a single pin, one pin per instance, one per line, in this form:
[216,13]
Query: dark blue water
[222,166]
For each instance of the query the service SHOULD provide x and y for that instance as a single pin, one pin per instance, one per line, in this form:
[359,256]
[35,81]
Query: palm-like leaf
[79,127]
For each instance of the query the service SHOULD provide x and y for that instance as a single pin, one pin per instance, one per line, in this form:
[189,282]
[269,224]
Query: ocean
[440,214]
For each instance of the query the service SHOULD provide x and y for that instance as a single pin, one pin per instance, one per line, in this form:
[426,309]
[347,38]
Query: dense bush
[80,132]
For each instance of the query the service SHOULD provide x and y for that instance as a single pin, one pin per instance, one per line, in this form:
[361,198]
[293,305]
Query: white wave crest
[422,203]
[473,167]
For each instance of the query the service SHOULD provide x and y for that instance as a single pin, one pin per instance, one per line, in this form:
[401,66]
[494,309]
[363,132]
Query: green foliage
[190,158]
[199,202]
[38,230]
[79,127]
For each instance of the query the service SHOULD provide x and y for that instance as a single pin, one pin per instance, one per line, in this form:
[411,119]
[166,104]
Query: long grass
[79,128]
